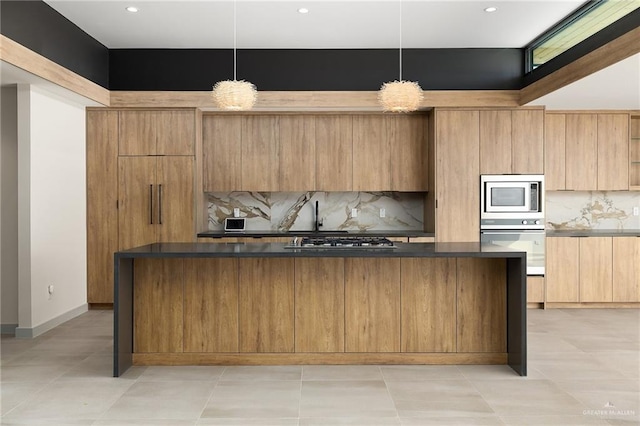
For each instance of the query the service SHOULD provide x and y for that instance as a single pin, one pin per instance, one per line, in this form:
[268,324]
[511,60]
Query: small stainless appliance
[512,215]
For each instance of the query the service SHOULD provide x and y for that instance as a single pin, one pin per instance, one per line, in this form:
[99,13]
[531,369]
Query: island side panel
[211,305]
[482,305]
[158,305]
[122,316]
[266,305]
[428,300]
[319,305]
[372,305]
[517,314]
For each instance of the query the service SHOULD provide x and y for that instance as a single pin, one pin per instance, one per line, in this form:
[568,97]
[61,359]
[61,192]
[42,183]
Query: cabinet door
[554,152]
[222,139]
[596,269]
[334,151]
[457,176]
[535,289]
[297,153]
[137,133]
[371,154]
[626,269]
[372,305]
[582,152]
[613,152]
[260,153]
[481,327]
[175,199]
[265,306]
[211,305]
[428,301]
[102,207]
[138,204]
[527,150]
[561,271]
[408,166]
[158,305]
[495,142]
[319,304]
[175,132]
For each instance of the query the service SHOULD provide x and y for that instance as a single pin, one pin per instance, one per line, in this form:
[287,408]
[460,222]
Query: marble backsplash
[568,210]
[295,211]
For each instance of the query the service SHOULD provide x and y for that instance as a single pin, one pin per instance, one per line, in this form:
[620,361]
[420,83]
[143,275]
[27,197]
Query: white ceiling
[329,24]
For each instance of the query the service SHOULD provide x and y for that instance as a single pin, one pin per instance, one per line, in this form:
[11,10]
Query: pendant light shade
[400,95]
[234,95]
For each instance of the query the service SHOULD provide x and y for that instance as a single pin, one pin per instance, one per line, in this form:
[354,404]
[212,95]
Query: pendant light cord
[400,40]
[234,39]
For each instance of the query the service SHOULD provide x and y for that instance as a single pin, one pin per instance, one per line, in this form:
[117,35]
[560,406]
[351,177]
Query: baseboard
[593,305]
[31,332]
[8,328]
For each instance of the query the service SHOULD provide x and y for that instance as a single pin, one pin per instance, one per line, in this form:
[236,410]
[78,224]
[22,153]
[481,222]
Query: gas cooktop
[341,243]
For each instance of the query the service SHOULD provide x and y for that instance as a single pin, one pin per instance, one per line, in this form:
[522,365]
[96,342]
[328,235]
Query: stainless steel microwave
[512,196]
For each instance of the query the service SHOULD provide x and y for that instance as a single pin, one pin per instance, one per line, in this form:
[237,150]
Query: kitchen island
[264,304]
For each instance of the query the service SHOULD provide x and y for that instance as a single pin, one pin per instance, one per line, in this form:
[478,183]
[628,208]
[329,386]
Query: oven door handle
[523,231]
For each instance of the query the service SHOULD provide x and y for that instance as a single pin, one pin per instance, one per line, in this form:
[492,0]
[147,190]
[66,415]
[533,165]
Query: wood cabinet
[634,153]
[334,153]
[562,269]
[372,305]
[535,289]
[596,263]
[266,305]
[158,305]
[297,153]
[259,151]
[222,159]
[585,152]
[409,164]
[102,203]
[428,300]
[319,305]
[157,132]
[512,141]
[457,175]
[626,269]
[156,200]
[371,154]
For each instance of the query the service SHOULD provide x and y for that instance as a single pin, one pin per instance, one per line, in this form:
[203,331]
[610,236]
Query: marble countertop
[355,233]
[594,233]
[203,250]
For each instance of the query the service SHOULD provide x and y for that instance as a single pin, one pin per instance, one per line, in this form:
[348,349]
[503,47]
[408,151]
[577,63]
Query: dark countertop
[260,234]
[168,250]
[595,233]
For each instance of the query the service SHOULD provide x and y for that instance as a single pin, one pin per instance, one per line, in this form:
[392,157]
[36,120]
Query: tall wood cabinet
[457,165]
[634,153]
[140,186]
[587,151]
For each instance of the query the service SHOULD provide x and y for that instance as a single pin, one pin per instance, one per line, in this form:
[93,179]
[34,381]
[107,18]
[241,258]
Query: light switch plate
[636,211]
[383,213]
[236,212]
[354,212]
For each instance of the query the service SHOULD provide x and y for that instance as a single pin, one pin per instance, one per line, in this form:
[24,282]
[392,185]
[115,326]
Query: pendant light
[234,95]
[400,95]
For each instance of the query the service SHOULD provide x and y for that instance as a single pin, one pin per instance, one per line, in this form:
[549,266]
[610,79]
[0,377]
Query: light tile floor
[584,369]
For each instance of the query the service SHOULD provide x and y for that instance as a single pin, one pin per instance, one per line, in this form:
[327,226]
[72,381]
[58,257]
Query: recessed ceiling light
[132,9]
[491,9]
[303,10]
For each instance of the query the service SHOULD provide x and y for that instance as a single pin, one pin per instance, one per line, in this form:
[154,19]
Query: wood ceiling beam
[30,61]
[615,51]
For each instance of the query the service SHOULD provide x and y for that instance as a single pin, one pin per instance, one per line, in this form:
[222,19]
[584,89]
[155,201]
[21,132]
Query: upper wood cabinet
[457,175]
[306,152]
[587,152]
[334,153]
[156,132]
[634,153]
[511,141]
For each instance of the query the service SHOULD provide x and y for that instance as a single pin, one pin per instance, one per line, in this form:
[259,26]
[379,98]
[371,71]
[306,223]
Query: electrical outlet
[354,212]
[236,212]
[383,213]
[50,289]
[636,211]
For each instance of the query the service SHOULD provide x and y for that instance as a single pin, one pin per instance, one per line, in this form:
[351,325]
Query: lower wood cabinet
[592,269]
[320,305]
[535,289]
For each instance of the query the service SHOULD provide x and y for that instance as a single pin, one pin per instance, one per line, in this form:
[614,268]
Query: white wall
[9,208]
[52,209]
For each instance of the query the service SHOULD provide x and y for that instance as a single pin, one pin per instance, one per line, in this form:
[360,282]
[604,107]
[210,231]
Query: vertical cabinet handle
[151,204]
[160,204]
